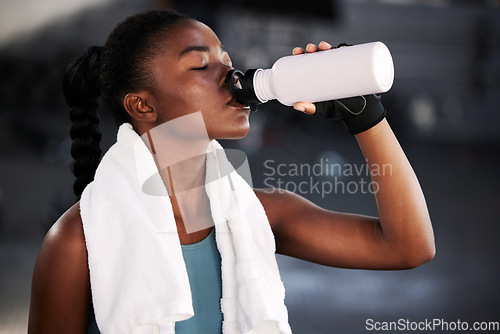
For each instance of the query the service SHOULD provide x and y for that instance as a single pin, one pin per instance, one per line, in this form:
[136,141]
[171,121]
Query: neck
[179,147]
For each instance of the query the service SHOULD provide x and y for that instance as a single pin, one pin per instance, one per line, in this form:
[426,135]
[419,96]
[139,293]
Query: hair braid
[81,86]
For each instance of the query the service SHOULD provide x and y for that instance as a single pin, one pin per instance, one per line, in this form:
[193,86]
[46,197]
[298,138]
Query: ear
[140,107]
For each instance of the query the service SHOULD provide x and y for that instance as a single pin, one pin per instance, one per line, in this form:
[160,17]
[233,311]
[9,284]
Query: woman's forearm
[403,214]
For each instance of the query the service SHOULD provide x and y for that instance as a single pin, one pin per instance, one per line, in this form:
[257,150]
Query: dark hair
[111,72]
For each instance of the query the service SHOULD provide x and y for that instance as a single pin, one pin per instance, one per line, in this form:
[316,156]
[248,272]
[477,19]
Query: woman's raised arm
[402,236]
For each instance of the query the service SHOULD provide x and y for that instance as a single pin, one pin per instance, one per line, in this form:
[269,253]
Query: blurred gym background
[444,108]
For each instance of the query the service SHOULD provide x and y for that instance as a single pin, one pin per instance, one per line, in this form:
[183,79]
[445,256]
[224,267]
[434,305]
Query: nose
[225,69]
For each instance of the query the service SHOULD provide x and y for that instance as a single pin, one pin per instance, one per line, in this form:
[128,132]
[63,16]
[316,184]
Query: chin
[233,134]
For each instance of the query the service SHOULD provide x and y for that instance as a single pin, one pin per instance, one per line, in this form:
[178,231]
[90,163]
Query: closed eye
[200,68]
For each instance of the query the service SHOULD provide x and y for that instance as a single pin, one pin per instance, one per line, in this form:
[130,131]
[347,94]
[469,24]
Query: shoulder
[280,205]
[63,254]
[63,249]
[270,196]
[67,233]
[61,283]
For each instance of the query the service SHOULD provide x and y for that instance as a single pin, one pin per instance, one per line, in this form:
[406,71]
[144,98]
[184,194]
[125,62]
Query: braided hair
[110,72]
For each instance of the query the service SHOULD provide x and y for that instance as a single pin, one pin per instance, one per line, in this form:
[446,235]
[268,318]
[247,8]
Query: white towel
[138,276]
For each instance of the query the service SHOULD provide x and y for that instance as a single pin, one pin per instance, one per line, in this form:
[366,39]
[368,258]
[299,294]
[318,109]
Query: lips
[236,104]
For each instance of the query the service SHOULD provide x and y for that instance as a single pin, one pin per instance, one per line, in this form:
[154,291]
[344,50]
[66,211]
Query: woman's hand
[308,107]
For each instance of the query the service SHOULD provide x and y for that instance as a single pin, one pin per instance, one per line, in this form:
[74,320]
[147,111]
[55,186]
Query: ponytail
[81,85]
[110,72]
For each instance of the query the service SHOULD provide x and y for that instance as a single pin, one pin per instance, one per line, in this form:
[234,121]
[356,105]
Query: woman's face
[190,76]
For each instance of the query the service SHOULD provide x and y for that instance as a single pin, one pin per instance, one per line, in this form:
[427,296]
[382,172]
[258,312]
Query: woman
[161,66]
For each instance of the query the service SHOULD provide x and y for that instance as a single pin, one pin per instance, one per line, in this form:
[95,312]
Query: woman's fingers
[311,48]
[305,107]
[324,46]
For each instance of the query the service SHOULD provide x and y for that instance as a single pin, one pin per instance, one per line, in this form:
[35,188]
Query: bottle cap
[241,87]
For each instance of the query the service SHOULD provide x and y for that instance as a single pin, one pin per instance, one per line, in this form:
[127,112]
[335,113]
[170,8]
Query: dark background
[443,107]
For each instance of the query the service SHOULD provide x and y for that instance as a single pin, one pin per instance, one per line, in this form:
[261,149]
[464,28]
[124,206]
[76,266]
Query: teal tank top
[203,265]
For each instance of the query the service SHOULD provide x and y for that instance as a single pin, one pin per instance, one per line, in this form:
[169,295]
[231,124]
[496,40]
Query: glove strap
[358,113]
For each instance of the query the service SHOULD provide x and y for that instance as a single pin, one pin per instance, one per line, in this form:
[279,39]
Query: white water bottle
[320,76]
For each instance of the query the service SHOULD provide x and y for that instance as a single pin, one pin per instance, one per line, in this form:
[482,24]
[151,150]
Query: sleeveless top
[203,264]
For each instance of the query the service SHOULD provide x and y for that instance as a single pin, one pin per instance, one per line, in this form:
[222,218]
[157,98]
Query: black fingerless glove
[358,113]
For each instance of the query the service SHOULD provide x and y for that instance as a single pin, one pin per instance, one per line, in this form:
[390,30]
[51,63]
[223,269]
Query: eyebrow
[199,48]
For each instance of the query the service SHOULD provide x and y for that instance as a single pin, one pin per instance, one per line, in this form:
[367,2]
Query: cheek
[178,101]
[191,96]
